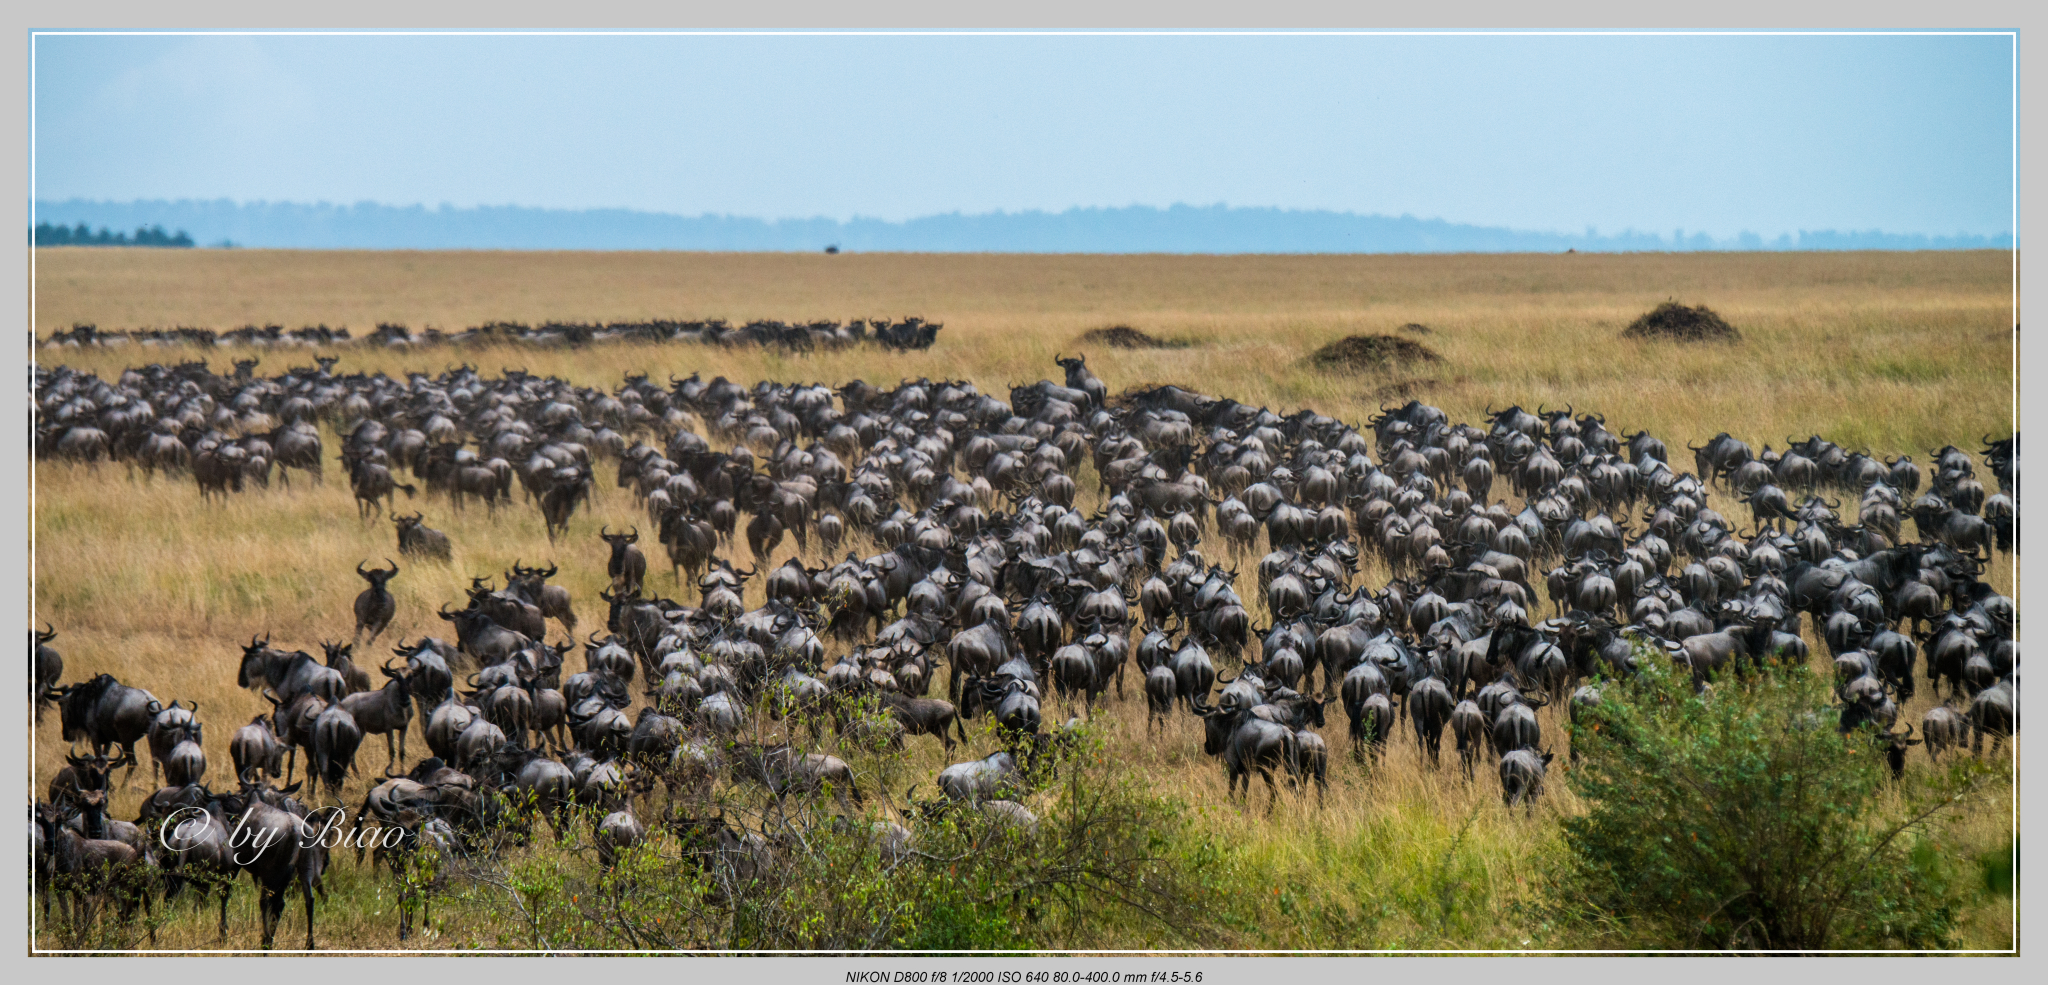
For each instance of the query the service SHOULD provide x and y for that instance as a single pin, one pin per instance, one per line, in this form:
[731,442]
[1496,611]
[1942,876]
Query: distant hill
[1135,229]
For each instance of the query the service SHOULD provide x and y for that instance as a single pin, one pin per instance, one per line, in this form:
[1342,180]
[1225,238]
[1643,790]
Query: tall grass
[1897,353]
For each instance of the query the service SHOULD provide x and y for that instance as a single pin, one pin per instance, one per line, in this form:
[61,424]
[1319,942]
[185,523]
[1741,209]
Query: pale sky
[1721,134]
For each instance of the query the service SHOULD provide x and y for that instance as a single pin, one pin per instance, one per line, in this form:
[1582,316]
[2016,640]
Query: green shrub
[1741,818]
[1101,861]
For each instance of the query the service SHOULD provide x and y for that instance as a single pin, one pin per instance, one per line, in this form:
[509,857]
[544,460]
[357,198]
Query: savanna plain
[1889,353]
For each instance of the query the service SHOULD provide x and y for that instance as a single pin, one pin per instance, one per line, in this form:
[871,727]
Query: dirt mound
[1414,328]
[1126,337]
[1372,352]
[1677,322]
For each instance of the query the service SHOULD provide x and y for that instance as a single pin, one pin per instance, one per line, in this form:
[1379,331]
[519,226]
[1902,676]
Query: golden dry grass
[1899,352]
[1896,352]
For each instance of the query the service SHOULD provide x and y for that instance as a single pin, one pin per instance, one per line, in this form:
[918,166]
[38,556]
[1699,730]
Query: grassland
[1896,353]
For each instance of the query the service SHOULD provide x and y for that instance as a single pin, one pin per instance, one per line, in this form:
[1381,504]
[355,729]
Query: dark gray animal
[375,607]
[104,712]
[1521,776]
[626,566]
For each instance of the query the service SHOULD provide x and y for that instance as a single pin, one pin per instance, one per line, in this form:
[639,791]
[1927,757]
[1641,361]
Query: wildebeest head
[378,578]
[257,657]
[1895,745]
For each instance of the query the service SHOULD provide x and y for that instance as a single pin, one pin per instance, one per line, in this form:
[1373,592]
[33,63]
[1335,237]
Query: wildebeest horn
[606,532]
[359,567]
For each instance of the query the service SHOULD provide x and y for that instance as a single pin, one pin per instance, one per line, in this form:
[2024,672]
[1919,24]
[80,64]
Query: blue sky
[1715,134]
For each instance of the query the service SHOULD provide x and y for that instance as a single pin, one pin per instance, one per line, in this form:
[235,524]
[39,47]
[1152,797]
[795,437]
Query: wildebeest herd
[908,333]
[982,566]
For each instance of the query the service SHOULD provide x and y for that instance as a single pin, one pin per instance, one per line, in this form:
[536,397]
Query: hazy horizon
[1181,228]
[1719,135]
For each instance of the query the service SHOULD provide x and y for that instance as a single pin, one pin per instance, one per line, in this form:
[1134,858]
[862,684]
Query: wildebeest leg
[148,917]
[129,751]
[272,913]
[1273,789]
[306,890]
[227,887]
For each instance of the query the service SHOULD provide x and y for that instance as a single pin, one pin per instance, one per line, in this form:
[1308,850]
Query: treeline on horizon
[46,234]
[1134,229]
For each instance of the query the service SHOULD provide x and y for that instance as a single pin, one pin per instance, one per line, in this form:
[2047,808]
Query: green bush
[1101,861]
[1741,818]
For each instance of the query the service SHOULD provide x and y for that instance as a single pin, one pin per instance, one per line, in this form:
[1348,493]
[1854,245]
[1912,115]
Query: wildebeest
[992,777]
[255,746]
[1247,743]
[375,606]
[1429,708]
[169,726]
[416,539]
[46,667]
[1521,776]
[371,482]
[283,849]
[1468,725]
[626,566]
[384,711]
[332,752]
[104,712]
[1991,713]
[785,771]
[287,674]
[1943,728]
